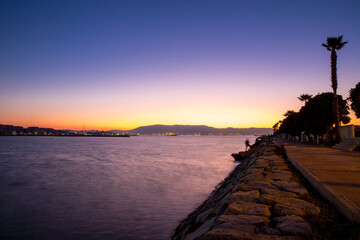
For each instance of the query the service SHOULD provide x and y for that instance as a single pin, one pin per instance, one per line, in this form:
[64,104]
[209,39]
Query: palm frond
[326,46]
[334,43]
[341,45]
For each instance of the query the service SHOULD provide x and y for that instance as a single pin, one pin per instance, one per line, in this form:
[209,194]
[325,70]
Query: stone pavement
[334,173]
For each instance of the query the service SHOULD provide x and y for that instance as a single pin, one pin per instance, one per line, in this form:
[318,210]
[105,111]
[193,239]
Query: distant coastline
[152,130]
[10,130]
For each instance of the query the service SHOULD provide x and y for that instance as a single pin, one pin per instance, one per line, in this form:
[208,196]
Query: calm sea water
[107,188]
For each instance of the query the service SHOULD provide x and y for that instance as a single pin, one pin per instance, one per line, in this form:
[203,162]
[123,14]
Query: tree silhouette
[288,113]
[305,97]
[317,117]
[276,125]
[355,99]
[333,44]
[291,124]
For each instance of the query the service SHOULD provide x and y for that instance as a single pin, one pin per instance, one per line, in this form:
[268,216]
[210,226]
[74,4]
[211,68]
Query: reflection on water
[107,188]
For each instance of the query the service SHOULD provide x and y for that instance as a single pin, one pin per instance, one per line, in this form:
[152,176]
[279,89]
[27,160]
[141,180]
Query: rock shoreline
[260,199]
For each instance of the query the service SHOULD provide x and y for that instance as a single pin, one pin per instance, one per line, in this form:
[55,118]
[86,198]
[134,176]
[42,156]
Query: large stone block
[293,225]
[295,206]
[291,187]
[258,185]
[248,208]
[250,196]
[201,217]
[231,233]
[221,205]
[245,220]
[278,193]
[286,177]
[271,199]
[200,230]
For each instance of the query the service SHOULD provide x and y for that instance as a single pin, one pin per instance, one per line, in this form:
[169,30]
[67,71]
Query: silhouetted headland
[10,130]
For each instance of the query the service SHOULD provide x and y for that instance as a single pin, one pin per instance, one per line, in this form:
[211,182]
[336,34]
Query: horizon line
[115,129]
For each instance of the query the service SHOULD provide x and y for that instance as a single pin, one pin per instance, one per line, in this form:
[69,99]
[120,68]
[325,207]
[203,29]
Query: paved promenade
[334,173]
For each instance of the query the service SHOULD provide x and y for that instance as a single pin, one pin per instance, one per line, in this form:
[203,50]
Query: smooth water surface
[107,188]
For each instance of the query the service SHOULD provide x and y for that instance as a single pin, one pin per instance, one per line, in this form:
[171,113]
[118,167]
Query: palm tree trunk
[334,87]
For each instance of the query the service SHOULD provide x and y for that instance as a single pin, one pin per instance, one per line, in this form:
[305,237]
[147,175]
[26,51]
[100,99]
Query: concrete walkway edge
[344,206]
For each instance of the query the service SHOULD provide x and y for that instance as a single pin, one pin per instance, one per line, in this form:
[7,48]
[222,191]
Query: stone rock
[250,196]
[267,153]
[275,237]
[228,189]
[278,176]
[245,220]
[253,175]
[245,232]
[268,230]
[276,171]
[293,225]
[291,187]
[183,233]
[273,157]
[257,179]
[282,184]
[248,208]
[201,217]
[288,238]
[239,156]
[261,160]
[254,171]
[295,206]
[271,199]
[263,237]
[279,167]
[260,166]
[278,193]
[277,163]
[280,197]
[222,204]
[261,163]
[200,230]
[258,185]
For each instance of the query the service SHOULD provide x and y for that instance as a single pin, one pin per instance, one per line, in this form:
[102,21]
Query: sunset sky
[124,64]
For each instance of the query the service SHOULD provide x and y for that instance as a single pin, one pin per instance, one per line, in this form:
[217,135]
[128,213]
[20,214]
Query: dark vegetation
[316,117]
[355,99]
[322,114]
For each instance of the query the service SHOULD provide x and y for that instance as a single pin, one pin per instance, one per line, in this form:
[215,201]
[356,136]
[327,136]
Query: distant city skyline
[124,64]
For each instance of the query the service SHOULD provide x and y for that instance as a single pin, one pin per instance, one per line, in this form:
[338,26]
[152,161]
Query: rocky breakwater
[260,199]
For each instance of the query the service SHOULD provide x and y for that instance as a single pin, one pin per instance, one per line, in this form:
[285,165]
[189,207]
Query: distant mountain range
[194,129]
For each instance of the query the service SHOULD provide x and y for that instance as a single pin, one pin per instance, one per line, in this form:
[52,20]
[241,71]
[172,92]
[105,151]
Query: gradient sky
[124,64]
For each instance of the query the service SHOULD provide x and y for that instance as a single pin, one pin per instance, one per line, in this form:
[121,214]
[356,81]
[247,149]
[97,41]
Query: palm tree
[333,44]
[276,126]
[305,97]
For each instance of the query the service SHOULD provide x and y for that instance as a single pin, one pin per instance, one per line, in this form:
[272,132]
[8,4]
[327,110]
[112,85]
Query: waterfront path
[334,173]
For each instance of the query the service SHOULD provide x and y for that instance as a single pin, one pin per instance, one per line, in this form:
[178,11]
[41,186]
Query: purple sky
[122,64]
